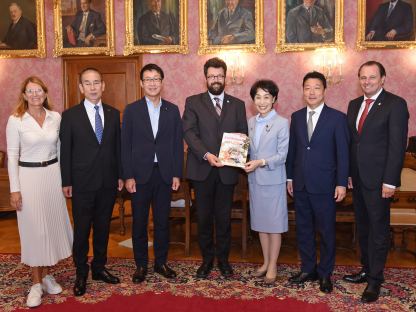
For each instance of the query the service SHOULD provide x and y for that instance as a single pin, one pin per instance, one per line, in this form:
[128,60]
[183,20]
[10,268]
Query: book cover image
[234,149]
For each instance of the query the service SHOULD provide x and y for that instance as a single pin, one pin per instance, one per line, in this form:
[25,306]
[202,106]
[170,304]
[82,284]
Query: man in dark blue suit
[393,20]
[86,26]
[152,159]
[317,173]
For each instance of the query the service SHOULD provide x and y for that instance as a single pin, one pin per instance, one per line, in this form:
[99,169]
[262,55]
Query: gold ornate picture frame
[24,37]
[380,29]
[156,26]
[84,34]
[240,26]
[300,29]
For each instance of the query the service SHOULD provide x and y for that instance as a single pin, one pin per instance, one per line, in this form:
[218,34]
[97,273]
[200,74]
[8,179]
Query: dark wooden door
[121,76]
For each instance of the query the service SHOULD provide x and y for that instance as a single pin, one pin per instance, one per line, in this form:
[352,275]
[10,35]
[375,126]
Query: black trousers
[372,214]
[157,193]
[214,200]
[91,210]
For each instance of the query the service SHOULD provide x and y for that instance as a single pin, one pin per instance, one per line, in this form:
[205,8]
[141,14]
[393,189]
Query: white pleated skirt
[45,230]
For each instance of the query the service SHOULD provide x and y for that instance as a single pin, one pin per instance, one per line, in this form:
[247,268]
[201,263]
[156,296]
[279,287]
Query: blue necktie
[98,124]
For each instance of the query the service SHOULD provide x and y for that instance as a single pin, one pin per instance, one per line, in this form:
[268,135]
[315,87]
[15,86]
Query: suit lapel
[163,117]
[225,107]
[303,124]
[252,127]
[107,120]
[352,120]
[145,117]
[210,106]
[374,109]
[320,123]
[266,130]
[85,121]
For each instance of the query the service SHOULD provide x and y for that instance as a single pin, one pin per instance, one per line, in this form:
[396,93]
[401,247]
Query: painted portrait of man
[156,22]
[18,25]
[310,21]
[87,27]
[231,22]
[390,20]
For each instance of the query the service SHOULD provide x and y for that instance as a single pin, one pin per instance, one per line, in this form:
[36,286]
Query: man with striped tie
[207,116]
[91,175]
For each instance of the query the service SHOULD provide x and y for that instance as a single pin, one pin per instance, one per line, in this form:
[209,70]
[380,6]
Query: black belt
[38,164]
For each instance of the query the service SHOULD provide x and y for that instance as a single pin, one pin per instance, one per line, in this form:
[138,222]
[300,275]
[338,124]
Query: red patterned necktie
[364,114]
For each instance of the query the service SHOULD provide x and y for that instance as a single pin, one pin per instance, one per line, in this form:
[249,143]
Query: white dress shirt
[89,107]
[315,116]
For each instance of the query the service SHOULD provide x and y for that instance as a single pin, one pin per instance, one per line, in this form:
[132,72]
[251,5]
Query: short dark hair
[89,69]
[150,67]
[314,75]
[215,62]
[381,68]
[266,85]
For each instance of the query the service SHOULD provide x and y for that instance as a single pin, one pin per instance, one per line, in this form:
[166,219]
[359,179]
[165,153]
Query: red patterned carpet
[187,293]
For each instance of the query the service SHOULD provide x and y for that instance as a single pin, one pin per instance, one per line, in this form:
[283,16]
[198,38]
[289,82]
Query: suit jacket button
[308,148]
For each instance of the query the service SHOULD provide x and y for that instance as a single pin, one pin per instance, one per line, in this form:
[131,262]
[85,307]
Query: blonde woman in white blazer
[269,140]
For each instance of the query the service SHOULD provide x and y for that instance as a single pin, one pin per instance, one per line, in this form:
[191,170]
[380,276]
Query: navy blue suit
[153,180]
[316,168]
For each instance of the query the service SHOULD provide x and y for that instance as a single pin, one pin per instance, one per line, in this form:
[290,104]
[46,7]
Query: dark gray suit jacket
[203,131]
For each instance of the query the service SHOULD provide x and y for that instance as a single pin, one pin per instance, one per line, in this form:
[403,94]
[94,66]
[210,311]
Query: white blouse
[28,141]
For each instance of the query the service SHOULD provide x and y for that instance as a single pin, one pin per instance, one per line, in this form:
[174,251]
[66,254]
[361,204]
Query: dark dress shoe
[80,286]
[303,277]
[204,270]
[105,276]
[358,278]
[371,293]
[225,268]
[139,275]
[165,271]
[325,285]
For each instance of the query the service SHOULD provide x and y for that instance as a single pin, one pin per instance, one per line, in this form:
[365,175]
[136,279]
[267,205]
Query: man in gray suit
[234,25]
[307,23]
[207,116]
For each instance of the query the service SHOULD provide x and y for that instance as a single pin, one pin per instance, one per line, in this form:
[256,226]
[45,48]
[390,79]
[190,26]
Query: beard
[216,88]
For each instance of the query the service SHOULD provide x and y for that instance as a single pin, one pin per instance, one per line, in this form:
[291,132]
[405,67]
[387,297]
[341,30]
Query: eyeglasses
[34,91]
[152,80]
[217,77]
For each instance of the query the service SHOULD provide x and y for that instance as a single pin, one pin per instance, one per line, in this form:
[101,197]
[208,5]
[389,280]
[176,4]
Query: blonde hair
[22,104]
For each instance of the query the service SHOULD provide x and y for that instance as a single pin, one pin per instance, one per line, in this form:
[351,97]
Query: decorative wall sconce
[235,66]
[329,62]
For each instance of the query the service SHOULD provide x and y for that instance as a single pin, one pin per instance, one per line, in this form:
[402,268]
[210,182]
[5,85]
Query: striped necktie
[98,124]
[218,107]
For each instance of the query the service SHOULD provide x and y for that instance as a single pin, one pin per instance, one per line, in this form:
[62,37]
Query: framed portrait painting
[84,27]
[156,26]
[22,28]
[309,24]
[386,24]
[231,25]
